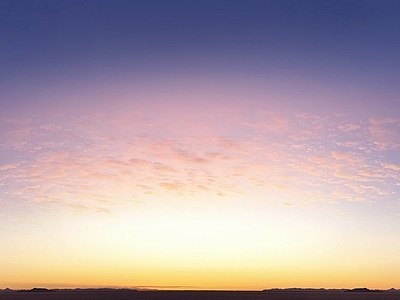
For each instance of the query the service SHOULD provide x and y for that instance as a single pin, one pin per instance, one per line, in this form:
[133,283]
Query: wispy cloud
[348,127]
[392,166]
[95,160]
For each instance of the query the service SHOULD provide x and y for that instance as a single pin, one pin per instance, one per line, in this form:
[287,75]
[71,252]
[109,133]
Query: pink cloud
[392,167]
[350,157]
[383,121]
[96,156]
[349,127]
[8,167]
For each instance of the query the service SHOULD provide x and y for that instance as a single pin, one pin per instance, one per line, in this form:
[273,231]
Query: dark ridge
[303,290]
[363,290]
[37,290]
[103,290]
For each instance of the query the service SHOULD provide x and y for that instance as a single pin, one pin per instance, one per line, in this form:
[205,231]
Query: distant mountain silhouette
[355,290]
[363,290]
[37,290]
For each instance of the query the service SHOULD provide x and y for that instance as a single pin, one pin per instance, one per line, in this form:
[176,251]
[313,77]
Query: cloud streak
[96,157]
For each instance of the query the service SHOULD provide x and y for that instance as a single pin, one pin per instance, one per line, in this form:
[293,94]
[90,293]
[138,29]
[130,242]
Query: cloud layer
[98,160]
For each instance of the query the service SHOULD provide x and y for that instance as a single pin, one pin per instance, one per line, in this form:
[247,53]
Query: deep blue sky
[331,38]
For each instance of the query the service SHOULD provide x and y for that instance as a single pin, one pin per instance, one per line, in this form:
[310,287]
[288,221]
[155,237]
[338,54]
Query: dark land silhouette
[127,294]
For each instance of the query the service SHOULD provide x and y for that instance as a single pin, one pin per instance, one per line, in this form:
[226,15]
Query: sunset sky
[200,144]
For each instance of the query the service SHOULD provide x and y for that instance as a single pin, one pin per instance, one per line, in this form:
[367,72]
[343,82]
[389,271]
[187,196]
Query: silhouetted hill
[122,294]
[363,290]
[37,290]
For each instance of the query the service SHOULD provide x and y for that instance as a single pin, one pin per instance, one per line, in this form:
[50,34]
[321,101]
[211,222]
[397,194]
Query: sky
[200,144]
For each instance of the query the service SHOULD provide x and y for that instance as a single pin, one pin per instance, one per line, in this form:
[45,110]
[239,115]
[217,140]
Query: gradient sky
[199,144]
